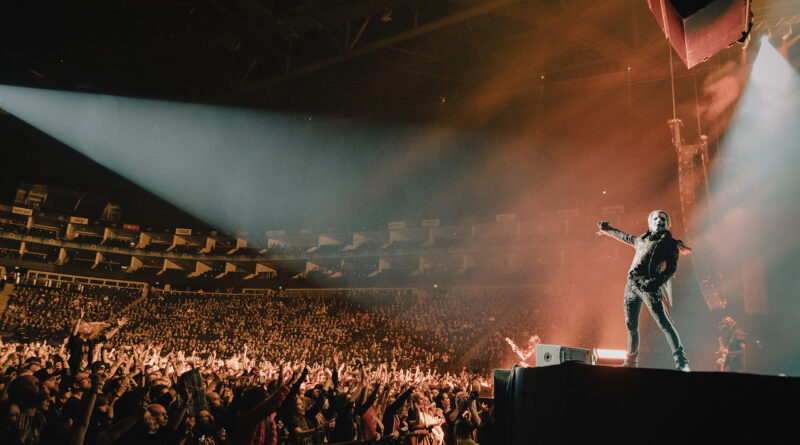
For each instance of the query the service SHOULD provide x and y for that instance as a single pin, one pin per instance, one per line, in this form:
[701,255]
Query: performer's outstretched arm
[606,229]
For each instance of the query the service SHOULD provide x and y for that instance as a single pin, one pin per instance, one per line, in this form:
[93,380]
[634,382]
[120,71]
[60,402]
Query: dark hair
[252,397]
[156,392]
[26,391]
[5,407]
[129,403]
[96,366]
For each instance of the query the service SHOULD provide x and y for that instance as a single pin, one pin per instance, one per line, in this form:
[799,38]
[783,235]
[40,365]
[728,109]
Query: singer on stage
[655,261]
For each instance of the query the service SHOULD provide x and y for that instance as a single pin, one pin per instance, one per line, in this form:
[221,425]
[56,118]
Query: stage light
[547,355]
[608,357]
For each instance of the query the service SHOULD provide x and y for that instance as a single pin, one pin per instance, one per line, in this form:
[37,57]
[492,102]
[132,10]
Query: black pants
[634,296]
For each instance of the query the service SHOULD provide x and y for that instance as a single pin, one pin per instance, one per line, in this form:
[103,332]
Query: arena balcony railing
[48,253]
[44,232]
[13,227]
[123,259]
[246,251]
[12,217]
[87,238]
[11,254]
[446,242]
[121,243]
[401,246]
[366,246]
[327,249]
[10,244]
[157,247]
[80,255]
[183,248]
[222,249]
[169,275]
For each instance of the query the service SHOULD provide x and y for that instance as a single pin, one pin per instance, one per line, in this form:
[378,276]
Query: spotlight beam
[242,170]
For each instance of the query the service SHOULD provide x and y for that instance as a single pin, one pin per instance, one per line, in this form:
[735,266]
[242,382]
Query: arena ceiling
[392,59]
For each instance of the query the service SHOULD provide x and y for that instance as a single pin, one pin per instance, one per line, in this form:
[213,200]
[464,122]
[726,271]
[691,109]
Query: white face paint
[658,221]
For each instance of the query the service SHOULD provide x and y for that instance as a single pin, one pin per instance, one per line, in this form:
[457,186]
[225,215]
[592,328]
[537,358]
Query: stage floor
[578,403]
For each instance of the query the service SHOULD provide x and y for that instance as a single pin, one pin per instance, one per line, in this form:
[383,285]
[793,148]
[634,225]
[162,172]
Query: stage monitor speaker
[547,355]
[699,29]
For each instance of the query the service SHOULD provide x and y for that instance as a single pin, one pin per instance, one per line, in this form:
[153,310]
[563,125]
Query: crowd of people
[139,395]
[333,366]
[431,329]
[37,313]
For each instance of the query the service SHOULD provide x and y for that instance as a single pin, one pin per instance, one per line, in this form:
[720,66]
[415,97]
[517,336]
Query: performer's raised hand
[603,226]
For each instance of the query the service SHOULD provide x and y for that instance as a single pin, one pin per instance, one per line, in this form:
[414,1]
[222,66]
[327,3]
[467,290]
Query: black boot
[631,361]
[681,362]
